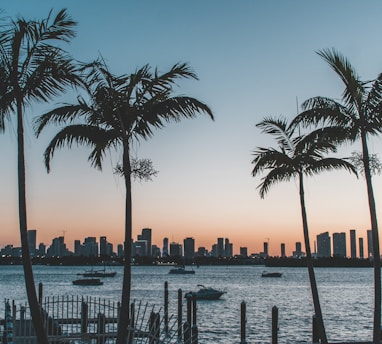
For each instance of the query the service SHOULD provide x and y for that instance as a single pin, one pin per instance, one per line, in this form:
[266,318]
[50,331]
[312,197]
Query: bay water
[346,296]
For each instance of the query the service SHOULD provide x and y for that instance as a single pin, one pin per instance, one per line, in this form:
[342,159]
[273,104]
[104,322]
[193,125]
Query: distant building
[220,248]
[244,251]
[228,249]
[102,246]
[146,235]
[176,249]
[265,252]
[323,245]
[202,252]
[90,247]
[57,248]
[140,248]
[353,244]
[298,252]
[360,244]
[339,245]
[283,255]
[189,248]
[32,242]
[120,251]
[41,250]
[370,243]
[165,248]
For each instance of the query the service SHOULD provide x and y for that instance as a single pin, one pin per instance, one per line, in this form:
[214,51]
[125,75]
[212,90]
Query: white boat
[206,293]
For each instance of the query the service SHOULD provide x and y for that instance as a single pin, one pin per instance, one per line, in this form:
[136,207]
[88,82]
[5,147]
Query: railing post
[187,333]
[84,317]
[316,337]
[180,320]
[194,328]
[101,327]
[243,321]
[166,307]
[275,321]
[40,293]
[131,327]
[8,326]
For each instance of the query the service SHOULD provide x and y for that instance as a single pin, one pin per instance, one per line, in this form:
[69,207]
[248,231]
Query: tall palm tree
[120,110]
[360,114]
[32,69]
[295,157]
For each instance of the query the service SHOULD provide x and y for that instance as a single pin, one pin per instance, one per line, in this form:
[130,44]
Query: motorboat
[88,281]
[181,270]
[271,274]
[206,293]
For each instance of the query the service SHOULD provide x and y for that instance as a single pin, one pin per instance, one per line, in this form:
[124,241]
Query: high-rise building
[283,255]
[189,248]
[244,251]
[120,250]
[202,252]
[32,234]
[220,248]
[146,235]
[165,247]
[90,247]
[228,249]
[353,244]
[77,248]
[102,246]
[176,249]
[41,250]
[298,252]
[265,253]
[323,245]
[360,244]
[339,245]
[57,248]
[140,248]
[370,243]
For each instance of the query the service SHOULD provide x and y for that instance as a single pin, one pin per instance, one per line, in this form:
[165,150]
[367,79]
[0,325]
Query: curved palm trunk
[309,261]
[126,287]
[27,264]
[376,253]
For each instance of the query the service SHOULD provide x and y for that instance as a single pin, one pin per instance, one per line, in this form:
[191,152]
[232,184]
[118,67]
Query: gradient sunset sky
[253,59]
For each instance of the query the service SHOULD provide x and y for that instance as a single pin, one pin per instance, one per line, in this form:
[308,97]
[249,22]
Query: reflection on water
[346,297]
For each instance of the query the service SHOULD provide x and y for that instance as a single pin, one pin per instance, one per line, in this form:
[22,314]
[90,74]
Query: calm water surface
[346,296]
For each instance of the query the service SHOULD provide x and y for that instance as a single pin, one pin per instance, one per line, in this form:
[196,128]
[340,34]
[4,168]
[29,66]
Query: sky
[253,59]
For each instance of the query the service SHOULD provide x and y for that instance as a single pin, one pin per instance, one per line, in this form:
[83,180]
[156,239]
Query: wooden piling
[180,320]
[275,325]
[84,317]
[166,307]
[243,320]
[187,333]
[40,293]
[101,328]
[194,327]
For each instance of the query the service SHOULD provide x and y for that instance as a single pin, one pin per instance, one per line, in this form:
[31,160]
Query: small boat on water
[206,293]
[271,274]
[88,281]
[181,270]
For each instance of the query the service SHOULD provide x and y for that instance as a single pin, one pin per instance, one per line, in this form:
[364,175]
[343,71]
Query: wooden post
[84,317]
[40,293]
[166,307]
[152,328]
[101,327]
[180,312]
[189,300]
[275,321]
[316,337]
[157,328]
[131,326]
[194,328]
[187,333]
[243,321]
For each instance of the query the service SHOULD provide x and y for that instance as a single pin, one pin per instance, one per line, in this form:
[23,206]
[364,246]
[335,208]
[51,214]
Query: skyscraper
[353,244]
[176,249]
[189,248]
[323,245]
[165,247]
[370,243]
[360,244]
[32,234]
[282,250]
[220,247]
[146,235]
[102,246]
[339,245]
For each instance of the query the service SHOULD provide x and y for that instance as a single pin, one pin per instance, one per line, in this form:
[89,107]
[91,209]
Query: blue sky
[253,59]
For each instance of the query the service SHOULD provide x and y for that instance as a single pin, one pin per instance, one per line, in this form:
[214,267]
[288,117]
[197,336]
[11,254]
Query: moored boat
[271,274]
[181,270]
[87,281]
[206,293]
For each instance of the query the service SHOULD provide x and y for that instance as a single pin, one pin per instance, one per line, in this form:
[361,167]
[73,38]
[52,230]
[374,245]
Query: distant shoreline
[200,261]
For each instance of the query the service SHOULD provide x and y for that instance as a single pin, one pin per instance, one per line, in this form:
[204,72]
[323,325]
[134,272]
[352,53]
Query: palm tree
[360,114]
[297,156]
[32,69]
[120,110]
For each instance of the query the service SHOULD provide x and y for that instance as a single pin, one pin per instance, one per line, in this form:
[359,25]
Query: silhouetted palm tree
[122,109]
[360,114]
[295,157]
[32,69]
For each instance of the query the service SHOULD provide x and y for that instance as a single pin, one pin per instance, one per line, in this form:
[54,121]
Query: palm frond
[276,175]
[329,164]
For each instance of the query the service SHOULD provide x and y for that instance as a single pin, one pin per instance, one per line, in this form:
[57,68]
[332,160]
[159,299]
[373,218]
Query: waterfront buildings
[353,246]
[339,245]
[323,245]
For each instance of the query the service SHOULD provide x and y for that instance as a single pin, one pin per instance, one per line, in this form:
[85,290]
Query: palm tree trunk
[309,261]
[375,235]
[35,307]
[126,287]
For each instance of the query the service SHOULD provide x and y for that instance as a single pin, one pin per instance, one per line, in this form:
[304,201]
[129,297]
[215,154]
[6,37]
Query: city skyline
[339,245]
[253,59]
